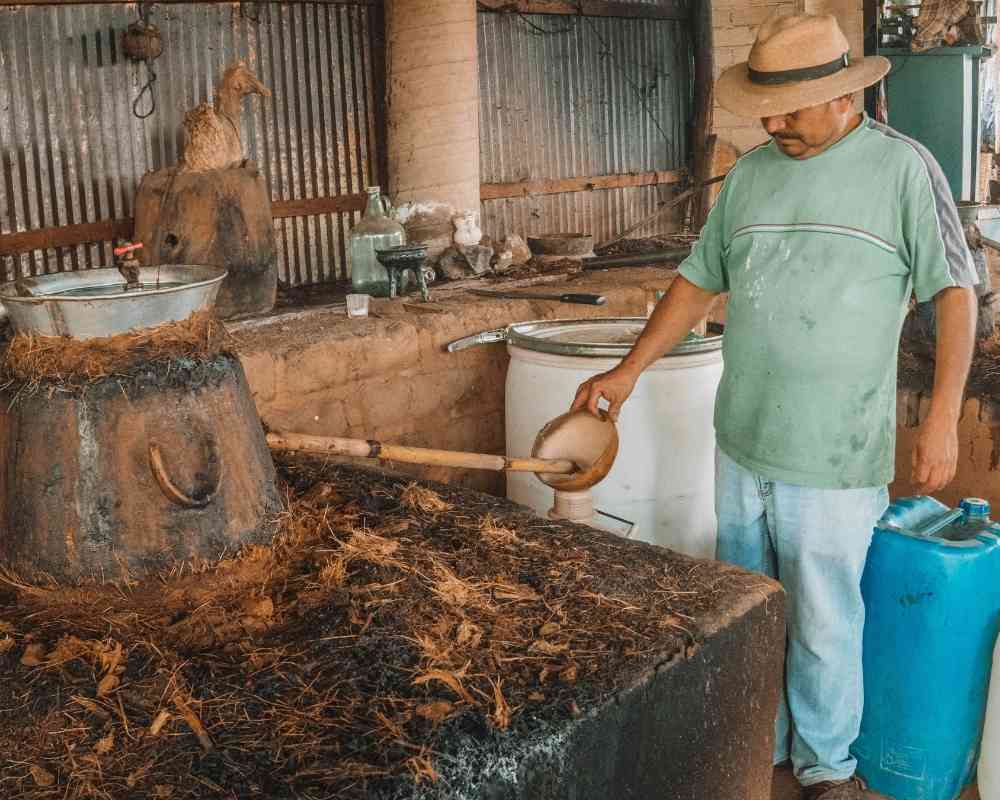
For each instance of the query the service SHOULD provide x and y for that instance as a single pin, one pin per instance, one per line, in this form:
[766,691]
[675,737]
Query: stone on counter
[477,257]
[520,253]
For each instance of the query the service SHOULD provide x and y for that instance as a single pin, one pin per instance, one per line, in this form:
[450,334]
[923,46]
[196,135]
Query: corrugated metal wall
[564,96]
[71,150]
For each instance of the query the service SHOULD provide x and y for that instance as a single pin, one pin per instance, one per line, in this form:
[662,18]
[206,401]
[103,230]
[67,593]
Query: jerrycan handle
[927,529]
[920,516]
[386,205]
[932,526]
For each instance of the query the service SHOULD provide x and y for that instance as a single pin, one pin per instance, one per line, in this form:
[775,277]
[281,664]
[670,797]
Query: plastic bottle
[375,231]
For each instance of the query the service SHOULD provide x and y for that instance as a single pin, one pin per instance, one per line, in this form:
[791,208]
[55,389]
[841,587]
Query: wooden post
[704,102]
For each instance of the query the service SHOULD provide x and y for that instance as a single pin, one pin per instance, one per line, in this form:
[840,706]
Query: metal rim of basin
[92,304]
[50,287]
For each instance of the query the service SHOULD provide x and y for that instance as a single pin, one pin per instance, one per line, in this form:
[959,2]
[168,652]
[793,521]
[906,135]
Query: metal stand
[402,259]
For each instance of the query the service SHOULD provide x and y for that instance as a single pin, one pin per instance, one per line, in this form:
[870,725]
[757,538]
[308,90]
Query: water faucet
[129,266]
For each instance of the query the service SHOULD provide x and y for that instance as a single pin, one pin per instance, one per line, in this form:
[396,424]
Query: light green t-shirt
[820,257]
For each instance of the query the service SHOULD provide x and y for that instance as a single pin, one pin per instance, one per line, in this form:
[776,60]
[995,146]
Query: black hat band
[798,75]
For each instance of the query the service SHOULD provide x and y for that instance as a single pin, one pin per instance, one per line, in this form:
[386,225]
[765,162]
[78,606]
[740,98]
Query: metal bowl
[93,303]
[563,245]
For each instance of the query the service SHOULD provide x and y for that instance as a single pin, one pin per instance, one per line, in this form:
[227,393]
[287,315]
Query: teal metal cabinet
[933,97]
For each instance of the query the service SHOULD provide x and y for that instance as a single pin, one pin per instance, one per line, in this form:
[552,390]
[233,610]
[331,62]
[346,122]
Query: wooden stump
[216,217]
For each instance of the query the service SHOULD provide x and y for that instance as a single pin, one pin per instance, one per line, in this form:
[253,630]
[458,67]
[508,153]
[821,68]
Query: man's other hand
[935,455]
[615,386]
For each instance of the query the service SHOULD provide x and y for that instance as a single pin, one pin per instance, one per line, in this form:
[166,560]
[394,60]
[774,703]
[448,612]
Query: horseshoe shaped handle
[170,489]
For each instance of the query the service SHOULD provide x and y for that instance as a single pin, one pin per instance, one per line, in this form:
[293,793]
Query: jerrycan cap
[975,507]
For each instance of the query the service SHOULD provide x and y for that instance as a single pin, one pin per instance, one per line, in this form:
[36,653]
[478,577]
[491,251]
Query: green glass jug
[375,231]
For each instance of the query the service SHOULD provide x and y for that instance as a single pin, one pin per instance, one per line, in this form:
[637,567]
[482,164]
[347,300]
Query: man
[819,237]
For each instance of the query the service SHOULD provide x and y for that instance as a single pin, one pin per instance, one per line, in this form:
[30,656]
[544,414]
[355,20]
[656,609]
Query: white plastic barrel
[664,477]
[989,754]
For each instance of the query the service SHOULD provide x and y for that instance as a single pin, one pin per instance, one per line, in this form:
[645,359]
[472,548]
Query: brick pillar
[433,102]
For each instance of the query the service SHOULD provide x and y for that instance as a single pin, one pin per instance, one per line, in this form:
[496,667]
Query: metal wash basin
[93,303]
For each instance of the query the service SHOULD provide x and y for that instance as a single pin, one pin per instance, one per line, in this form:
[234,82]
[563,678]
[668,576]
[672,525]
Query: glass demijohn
[375,231]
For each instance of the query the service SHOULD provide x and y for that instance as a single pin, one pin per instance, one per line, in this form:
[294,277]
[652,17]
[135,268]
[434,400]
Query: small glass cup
[357,305]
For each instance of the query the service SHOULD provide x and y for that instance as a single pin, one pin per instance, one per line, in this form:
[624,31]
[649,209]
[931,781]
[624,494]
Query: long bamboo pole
[361,448]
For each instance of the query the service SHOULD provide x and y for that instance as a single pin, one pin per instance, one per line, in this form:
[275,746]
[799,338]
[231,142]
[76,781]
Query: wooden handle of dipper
[360,448]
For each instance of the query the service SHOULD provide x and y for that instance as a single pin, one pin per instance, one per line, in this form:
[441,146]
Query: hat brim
[738,94]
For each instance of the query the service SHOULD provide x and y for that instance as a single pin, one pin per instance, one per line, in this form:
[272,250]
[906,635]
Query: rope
[147,88]
[145,12]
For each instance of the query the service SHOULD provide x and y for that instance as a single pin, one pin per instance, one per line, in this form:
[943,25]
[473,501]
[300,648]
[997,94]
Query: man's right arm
[679,310]
[701,278]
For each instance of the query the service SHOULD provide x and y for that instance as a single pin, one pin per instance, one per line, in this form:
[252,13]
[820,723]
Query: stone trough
[697,726]
[400,641]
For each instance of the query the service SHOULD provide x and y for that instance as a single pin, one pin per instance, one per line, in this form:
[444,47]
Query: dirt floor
[388,627]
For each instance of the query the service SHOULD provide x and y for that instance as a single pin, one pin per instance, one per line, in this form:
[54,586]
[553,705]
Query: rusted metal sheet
[563,97]
[72,152]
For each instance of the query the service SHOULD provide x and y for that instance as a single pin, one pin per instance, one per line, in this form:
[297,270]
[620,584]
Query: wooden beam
[665,9]
[108,230]
[498,191]
[64,236]
[338,204]
[702,144]
[4,3]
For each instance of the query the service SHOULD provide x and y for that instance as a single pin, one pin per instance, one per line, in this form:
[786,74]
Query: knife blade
[569,297]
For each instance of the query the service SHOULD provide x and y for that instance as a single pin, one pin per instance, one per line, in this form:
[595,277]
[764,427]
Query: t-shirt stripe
[956,253]
[816,227]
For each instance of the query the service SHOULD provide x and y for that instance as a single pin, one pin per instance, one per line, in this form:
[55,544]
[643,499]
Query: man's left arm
[935,457]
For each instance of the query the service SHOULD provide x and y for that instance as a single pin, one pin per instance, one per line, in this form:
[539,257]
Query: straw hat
[797,61]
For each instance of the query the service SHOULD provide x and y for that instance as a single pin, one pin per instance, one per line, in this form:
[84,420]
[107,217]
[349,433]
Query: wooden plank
[666,9]
[64,236]
[497,191]
[338,204]
[702,140]
[108,230]
[4,3]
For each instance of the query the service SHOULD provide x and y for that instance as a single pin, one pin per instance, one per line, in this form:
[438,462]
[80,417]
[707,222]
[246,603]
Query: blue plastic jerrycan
[932,600]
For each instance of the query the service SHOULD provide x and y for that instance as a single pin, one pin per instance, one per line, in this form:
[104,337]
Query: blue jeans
[815,542]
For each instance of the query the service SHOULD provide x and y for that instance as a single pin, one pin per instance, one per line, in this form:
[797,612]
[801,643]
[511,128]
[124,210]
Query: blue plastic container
[932,597]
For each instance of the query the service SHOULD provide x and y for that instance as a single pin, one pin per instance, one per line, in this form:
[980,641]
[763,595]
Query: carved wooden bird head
[239,81]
